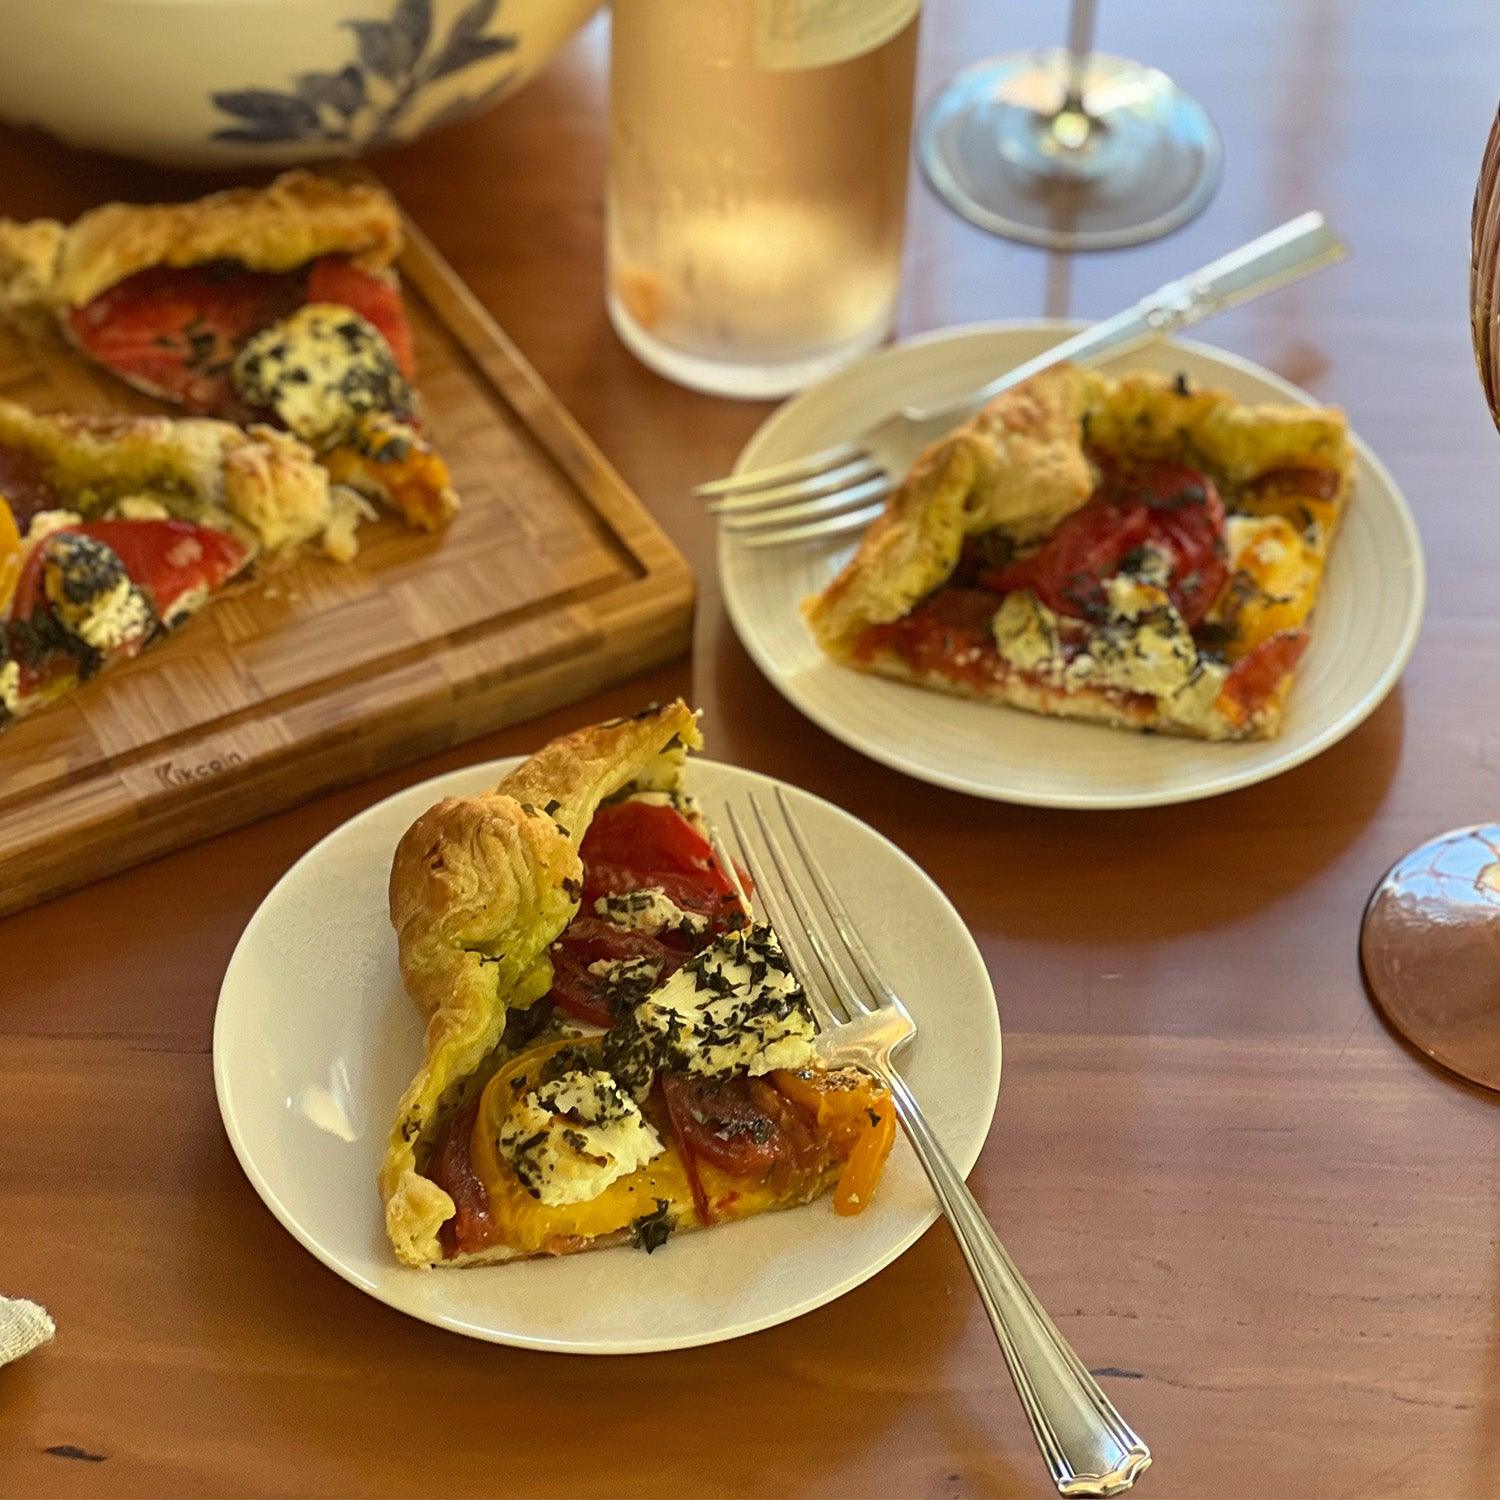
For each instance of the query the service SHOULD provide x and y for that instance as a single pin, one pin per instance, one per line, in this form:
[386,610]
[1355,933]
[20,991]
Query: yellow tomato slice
[10,554]
[395,464]
[1275,573]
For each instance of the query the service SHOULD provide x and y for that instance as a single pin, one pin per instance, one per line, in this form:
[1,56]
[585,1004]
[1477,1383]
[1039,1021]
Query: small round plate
[1430,949]
[1363,630]
[314,1040]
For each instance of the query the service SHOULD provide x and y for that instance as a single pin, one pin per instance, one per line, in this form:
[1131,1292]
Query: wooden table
[1270,1228]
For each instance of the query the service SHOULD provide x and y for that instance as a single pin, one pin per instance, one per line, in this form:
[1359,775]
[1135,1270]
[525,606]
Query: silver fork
[1088,1446]
[844,488]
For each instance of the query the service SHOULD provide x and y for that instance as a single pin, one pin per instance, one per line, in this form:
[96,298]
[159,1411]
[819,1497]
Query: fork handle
[1087,1444]
[1299,247]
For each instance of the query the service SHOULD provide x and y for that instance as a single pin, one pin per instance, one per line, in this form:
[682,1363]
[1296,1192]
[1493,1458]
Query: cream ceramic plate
[1363,630]
[314,1041]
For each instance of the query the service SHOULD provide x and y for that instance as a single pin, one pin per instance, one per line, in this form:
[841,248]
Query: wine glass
[1430,940]
[1070,148]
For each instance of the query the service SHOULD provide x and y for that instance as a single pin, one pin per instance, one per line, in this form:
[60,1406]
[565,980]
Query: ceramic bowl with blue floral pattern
[267,82]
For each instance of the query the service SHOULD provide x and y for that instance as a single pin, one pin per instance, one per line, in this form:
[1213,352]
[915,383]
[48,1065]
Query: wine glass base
[1430,948]
[1144,159]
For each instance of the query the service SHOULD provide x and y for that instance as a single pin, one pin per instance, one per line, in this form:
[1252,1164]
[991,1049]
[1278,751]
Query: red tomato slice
[451,1166]
[170,559]
[1166,506]
[333,278]
[653,844]
[588,940]
[1259,672]
[950,631]
[175,330]
[681,1123]
[577,991]
[167,559]
[592,938]
[1194,537]
[631,846]
[24,485]
[643,836]
[723,1122]
[1154,481]
[690,892]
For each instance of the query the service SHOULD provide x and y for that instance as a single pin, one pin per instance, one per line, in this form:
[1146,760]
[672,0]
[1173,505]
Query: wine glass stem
[1071,125]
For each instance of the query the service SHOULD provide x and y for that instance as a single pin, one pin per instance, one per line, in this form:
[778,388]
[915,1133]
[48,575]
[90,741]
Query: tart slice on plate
[279,304]
[615,1051]
[1130,550]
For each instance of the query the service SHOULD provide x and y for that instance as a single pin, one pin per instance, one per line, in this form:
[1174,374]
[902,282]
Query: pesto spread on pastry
[615,1050]
[1129,550]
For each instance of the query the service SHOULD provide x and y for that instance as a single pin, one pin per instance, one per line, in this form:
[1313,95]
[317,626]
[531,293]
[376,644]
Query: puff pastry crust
[297,218]
[1021,466]
[29,254]
[264,480]
[480,889]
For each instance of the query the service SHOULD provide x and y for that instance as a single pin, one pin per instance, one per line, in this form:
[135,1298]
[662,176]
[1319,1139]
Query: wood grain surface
[1273,1230]
[551,580]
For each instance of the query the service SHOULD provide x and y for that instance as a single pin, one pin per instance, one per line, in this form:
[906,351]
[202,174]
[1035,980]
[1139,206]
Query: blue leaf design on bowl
[341,109]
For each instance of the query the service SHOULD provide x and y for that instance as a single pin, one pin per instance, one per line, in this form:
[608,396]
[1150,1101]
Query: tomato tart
[615,1050]
[1132,550]
[279,305]
[114,530]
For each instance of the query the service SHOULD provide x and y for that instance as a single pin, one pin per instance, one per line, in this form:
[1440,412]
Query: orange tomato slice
[856,1116]
[862,1172]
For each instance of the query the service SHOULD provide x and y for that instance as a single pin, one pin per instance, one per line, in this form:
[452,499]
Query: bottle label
[814,33]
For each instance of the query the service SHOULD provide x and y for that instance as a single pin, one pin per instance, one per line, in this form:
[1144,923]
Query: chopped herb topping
[652,1231]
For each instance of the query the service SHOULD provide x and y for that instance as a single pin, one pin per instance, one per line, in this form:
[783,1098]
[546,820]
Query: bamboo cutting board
[551,582]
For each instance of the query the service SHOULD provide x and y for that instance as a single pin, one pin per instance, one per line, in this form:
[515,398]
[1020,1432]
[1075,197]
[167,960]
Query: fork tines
[820,939]
[825,494]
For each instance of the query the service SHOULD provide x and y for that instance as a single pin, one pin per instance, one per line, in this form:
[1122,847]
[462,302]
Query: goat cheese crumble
[10,686]
[1144,646]
[1026,633]
[318,370]
[734,1008]
[91,594]
[570,1138]
[140,508]
[650,911]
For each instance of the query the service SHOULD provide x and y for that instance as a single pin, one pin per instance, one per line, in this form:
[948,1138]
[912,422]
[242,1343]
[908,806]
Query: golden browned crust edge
[28,269]
[480,888]
[266,480]
[1018,462]
[1082,702]
[295,219]
[1014,458]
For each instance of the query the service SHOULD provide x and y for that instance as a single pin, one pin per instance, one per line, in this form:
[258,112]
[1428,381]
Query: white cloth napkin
[23,1327]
